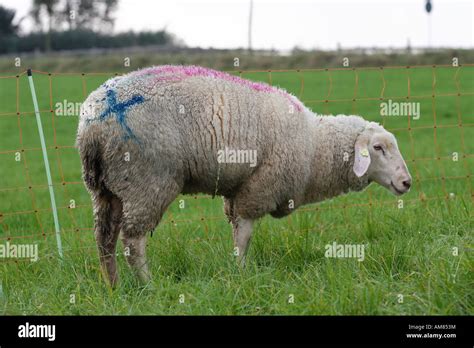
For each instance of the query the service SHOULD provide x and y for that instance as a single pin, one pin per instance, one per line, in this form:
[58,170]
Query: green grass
[409,250]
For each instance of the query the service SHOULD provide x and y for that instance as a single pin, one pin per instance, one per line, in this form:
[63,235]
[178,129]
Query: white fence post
[46,164]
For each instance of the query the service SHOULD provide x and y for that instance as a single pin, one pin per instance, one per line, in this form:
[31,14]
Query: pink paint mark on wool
[177,73]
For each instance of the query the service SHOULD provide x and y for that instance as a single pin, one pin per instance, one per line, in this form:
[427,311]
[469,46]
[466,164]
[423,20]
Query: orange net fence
[438,148]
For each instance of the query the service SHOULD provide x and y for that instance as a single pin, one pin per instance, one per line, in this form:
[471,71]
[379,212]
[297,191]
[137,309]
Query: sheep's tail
[90,151]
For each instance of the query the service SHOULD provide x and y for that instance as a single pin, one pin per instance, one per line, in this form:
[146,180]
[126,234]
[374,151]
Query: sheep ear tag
[361,161]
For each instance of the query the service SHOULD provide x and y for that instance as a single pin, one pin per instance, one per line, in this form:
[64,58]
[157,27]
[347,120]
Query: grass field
[410,266]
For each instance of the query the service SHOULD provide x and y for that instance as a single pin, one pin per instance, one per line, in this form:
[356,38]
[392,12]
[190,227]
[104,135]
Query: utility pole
[250,26]
[428,8]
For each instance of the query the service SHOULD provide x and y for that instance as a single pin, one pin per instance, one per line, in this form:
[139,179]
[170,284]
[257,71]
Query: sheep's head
[378,156]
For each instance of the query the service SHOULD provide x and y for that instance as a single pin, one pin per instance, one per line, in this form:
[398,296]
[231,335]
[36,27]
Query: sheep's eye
[379,148]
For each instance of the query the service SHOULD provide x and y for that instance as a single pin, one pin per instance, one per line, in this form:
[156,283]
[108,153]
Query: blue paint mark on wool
[120,110]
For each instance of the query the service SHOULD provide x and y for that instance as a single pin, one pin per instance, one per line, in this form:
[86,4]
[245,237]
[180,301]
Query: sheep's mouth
[395,189]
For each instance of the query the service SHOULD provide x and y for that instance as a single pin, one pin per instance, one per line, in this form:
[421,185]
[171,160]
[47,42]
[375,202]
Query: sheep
[150,135]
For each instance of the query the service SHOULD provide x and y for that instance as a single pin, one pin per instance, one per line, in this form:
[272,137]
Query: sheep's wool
[174,73]
[162,130]
[150,135]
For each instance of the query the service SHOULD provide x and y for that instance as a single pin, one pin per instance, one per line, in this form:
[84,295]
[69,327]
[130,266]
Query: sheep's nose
[407,183]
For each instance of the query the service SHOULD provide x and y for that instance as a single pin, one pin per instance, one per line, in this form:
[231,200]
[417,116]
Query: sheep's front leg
[242,229]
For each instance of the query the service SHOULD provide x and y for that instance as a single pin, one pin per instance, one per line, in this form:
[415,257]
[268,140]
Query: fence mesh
[437,146]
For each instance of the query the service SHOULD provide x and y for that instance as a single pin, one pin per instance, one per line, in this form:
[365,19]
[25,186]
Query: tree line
[71,24]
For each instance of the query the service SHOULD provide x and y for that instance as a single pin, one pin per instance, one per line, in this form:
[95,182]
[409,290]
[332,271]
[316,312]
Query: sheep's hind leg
[135,253]
[108,216]
[142,215]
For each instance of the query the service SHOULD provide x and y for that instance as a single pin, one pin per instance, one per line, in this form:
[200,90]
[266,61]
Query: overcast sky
[284,24]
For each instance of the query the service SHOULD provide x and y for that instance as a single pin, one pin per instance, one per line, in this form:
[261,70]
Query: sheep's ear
[362,155]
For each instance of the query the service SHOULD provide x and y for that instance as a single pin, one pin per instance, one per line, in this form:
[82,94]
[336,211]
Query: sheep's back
[183,124]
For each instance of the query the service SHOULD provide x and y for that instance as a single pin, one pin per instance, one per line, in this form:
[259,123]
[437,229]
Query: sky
[284,24]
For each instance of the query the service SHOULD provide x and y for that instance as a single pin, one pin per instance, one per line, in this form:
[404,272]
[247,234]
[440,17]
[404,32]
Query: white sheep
[150,135]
